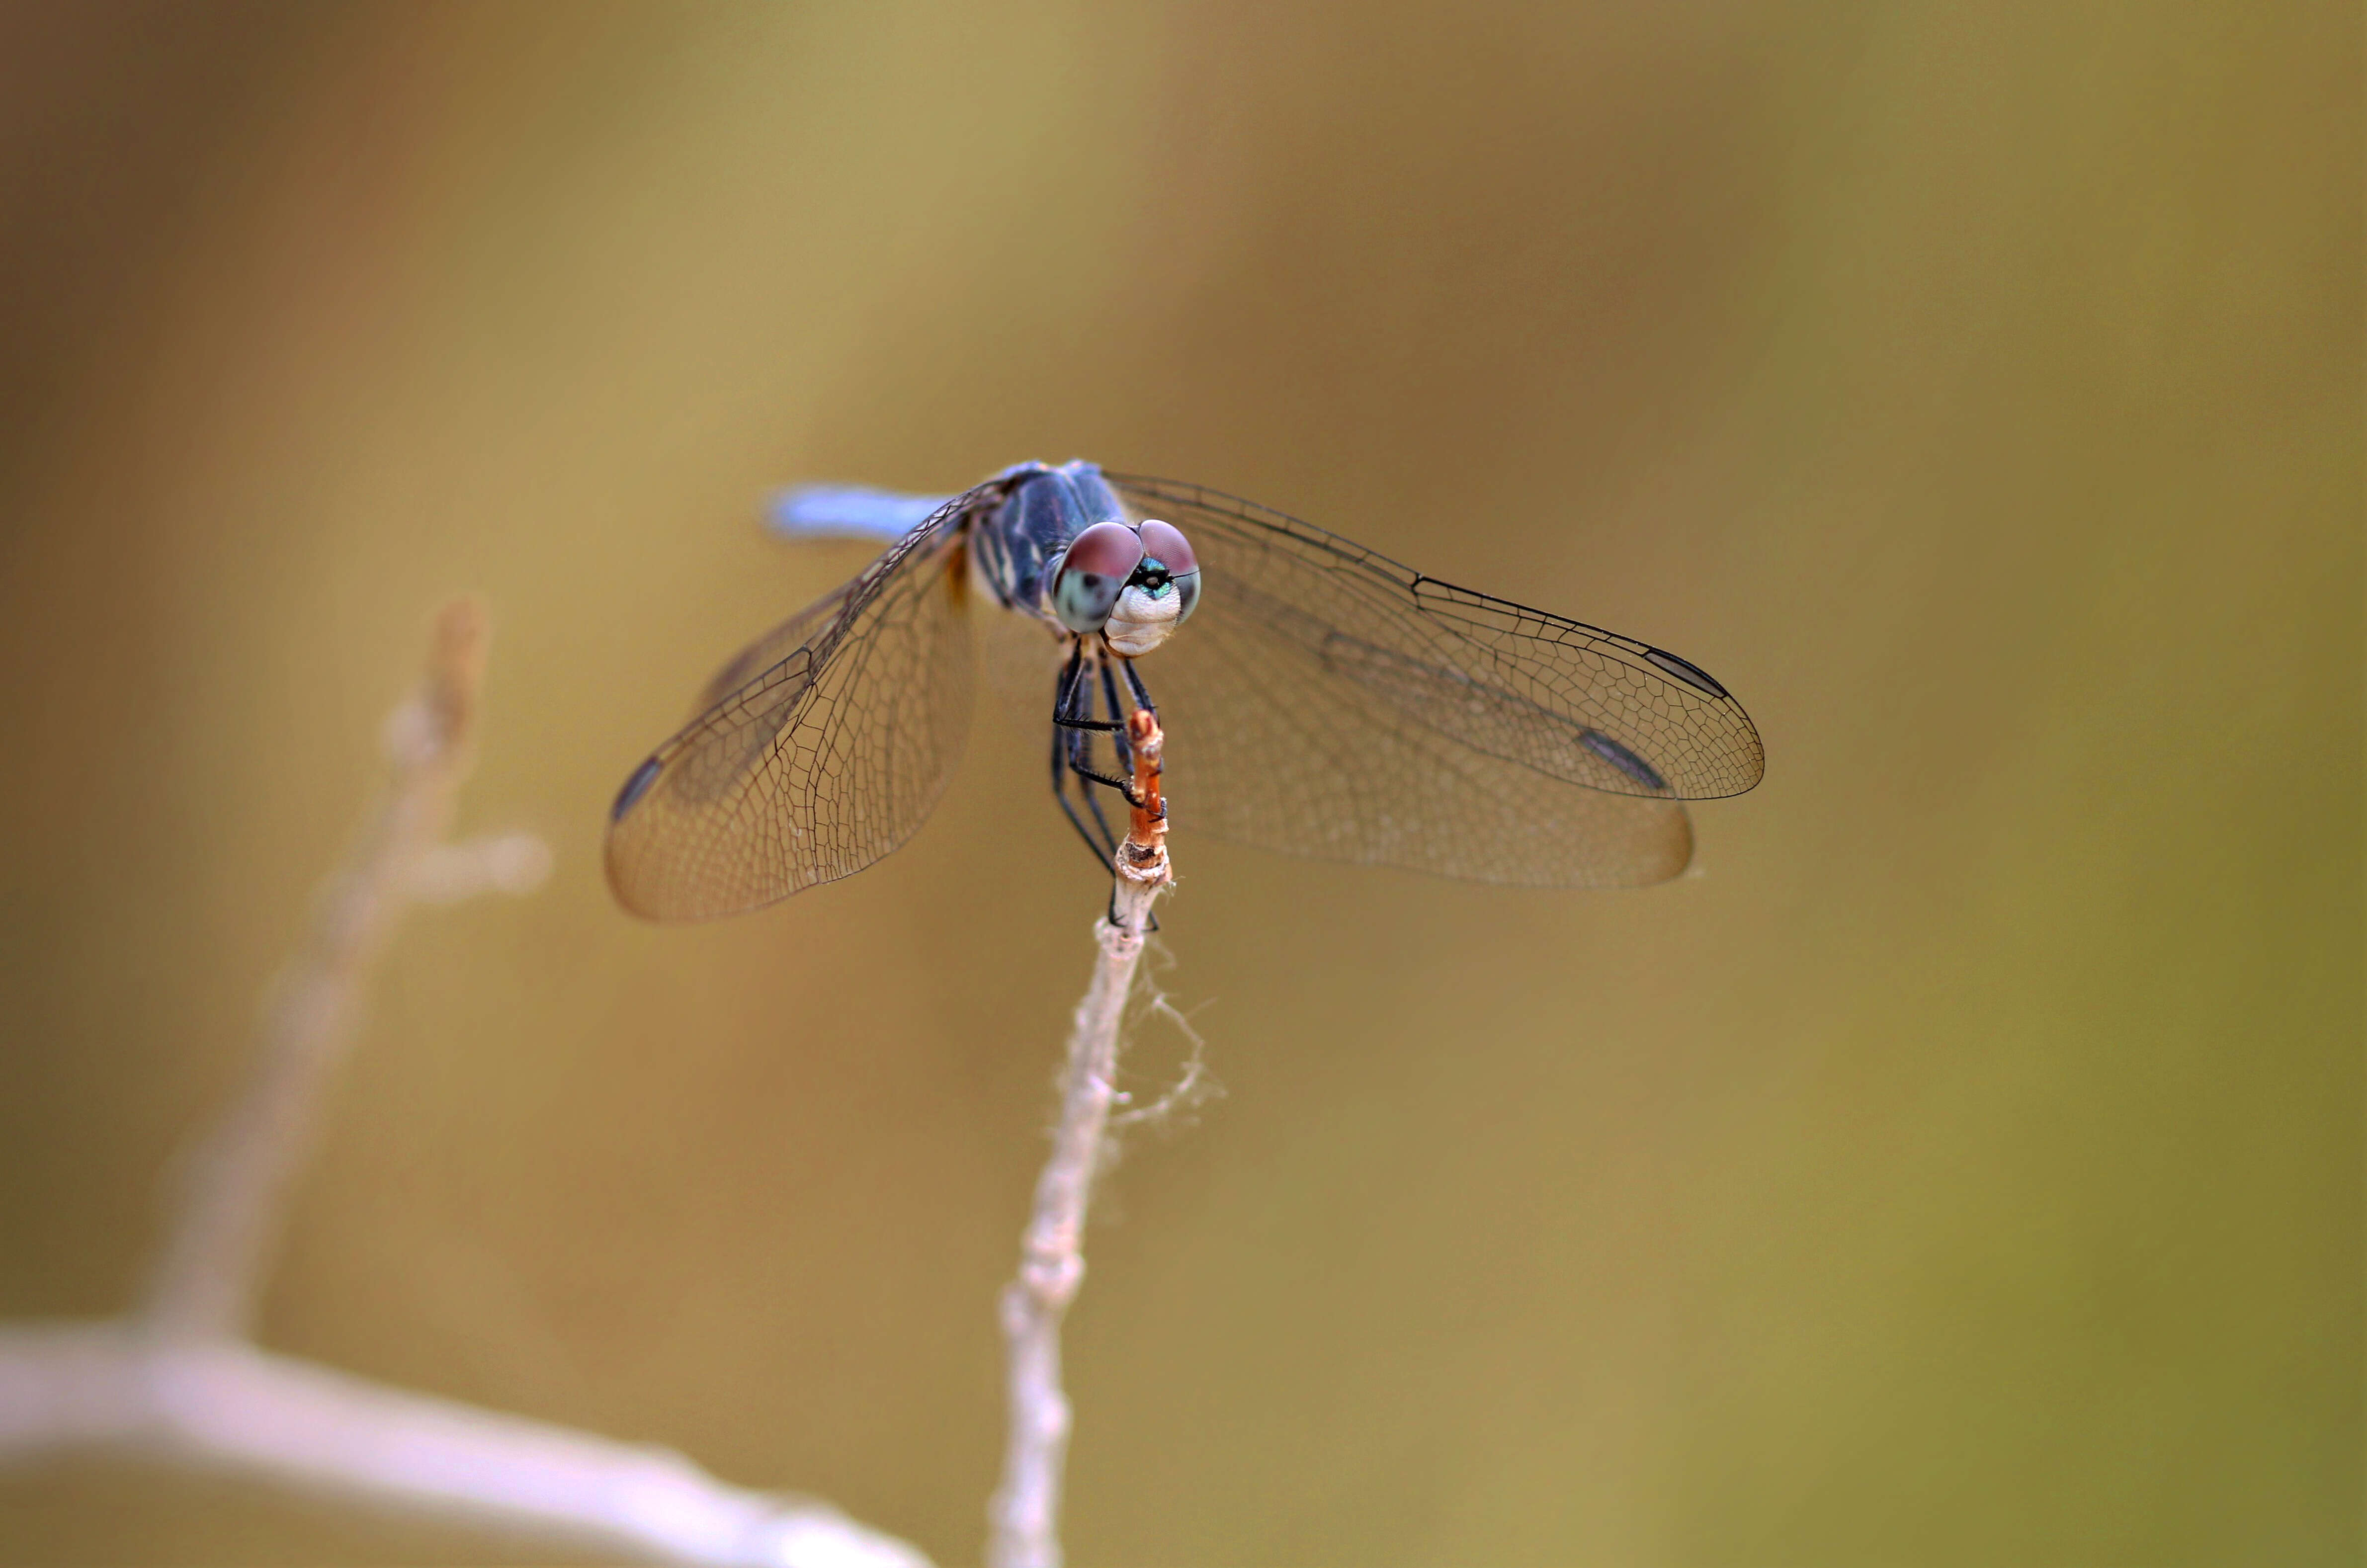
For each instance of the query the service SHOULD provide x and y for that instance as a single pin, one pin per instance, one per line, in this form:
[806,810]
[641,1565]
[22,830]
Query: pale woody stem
[1023,1519]
[220,1242]
[180,1379]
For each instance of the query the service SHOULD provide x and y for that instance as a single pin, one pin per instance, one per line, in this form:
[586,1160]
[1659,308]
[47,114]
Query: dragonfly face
[1326,700]
[1132,585]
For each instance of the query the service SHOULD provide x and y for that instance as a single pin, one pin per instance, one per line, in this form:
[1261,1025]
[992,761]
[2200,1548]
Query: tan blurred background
[1964,1169]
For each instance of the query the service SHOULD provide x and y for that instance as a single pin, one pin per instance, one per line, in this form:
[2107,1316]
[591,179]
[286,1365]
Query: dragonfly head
[1134,586]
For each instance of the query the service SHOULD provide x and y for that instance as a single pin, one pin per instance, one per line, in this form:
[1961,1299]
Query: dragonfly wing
[1326,700]
[1269,746]
[819,749]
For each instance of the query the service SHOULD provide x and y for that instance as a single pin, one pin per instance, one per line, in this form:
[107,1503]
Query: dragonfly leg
[1141,697]
[1118,740]
[1067,740]
[1080,753]
[1072,713]
[1071,681]
[1068,806]
[1124,787]
[1080,756]
[1073,728]
[1077,708]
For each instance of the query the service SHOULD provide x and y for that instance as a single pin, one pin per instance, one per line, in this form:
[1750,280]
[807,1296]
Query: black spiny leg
[1072,713]
[1120,742]
[1068,730]
[1080,747]
[1068,807]
[1141,697]
[1073,728]
[1080,755]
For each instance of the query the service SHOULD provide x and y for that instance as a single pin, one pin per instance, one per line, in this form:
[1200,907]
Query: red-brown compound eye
[1093,573]
[1165,543]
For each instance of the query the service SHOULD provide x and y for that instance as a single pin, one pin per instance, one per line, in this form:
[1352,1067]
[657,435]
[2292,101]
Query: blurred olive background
[1963,1167]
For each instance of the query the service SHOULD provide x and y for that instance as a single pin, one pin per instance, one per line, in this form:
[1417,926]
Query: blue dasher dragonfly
[1319,699]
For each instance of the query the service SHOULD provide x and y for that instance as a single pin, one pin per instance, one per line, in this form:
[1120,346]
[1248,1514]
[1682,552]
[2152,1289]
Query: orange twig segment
[1150,835]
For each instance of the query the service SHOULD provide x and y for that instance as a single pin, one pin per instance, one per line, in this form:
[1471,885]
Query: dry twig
[231,1408]
[180,1381]
[216,1251]
[1024,1518]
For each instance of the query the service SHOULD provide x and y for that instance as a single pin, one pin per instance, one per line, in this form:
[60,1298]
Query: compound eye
[1165,543]
[1187,591]
[1093,573]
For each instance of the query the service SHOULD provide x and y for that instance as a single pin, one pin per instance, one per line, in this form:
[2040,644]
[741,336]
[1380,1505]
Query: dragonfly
[1318,698]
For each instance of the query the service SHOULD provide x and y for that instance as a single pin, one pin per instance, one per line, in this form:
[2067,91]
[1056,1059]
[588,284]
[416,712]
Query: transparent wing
[819,749]
[1324,700]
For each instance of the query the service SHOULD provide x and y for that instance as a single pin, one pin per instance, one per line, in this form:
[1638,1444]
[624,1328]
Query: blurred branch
[227,1408]
[179,1381]
[215,1252]
[1024,1517]
[495,863]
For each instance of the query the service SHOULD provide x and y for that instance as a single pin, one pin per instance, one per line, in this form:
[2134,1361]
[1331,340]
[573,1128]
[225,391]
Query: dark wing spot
[1684,672]
[1623,759]
[635,788]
